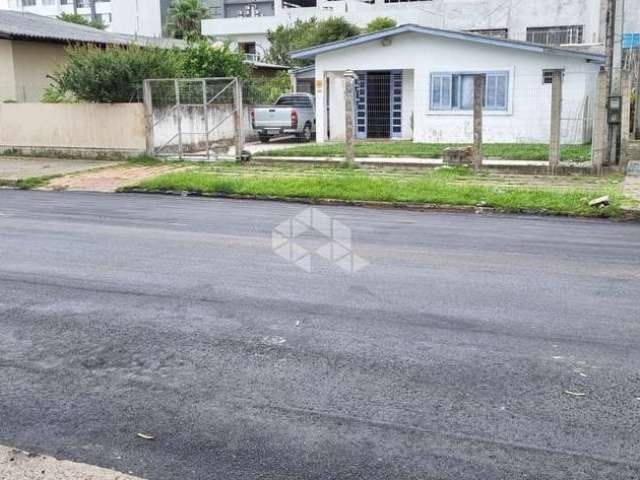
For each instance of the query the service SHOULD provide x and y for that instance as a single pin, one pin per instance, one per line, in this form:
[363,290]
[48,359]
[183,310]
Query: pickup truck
[291,114]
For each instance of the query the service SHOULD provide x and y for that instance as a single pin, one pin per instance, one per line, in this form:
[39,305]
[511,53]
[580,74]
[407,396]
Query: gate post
[478,100]
[179,109]
[238,117]
[147,98]
[556,115]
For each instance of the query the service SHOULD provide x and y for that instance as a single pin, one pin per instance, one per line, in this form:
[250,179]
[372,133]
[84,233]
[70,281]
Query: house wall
[32,62]
[528,116]
[90,126]
[142,17]
[7,76]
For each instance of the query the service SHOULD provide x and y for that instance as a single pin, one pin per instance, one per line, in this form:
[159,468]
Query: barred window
[454,91]
[570,34]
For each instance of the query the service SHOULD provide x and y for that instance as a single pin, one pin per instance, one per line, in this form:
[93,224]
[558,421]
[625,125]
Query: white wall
[527,120]
[103,8]
[137,17]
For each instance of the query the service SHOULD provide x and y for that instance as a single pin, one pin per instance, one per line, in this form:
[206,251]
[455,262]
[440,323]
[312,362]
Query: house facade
[549,22]
[53,8]
[416,83]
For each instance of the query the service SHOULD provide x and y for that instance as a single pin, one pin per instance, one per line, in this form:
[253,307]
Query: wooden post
[556,120]
[238,118]
[147,98]
[625,118]
[478,100]
[349,134]
[600,127]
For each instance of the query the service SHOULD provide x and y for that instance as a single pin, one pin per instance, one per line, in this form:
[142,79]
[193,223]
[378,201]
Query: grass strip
[507,151]
[436,188]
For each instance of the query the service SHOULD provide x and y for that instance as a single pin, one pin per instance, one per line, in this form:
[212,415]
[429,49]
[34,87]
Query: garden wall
[69,128]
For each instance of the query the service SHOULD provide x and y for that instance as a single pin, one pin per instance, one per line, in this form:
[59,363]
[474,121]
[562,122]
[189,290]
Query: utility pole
[610,44]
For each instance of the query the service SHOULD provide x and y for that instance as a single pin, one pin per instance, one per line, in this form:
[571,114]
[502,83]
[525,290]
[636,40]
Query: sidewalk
[631,186]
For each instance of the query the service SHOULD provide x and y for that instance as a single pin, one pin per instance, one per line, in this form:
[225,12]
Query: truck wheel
[306,135]
[264,138]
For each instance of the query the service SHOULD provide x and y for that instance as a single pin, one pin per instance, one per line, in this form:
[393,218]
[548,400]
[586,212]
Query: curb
[628,215]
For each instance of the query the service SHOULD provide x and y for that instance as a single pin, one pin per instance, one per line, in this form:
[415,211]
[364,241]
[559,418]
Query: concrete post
[205,113]
[636,123]
[625,118]
[294,83]
[147,98]
[556,121]
[238,118]
[176,84]
[478,100]
[349,133]
[600,127]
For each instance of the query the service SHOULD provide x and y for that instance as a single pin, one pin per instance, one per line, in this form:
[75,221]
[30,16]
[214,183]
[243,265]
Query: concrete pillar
[349,132]
[147,98]
[556,121]
[600,127]
[294,83]
[478,100]
[238,118]
[625,118]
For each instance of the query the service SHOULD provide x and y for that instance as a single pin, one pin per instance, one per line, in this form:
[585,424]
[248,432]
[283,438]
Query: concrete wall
[526,120]
[143,17]
[7,76]
[85,126]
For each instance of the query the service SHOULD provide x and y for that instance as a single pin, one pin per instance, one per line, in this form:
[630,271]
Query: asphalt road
[448,357]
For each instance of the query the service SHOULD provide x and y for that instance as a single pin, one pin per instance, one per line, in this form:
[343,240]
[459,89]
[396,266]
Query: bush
[380,23]
[80,20]
[203,59]
[114,74]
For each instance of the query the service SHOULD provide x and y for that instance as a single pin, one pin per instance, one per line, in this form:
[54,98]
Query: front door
[378,104]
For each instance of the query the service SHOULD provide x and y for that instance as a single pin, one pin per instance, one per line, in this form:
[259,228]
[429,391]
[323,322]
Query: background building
[551,22]
[53,8]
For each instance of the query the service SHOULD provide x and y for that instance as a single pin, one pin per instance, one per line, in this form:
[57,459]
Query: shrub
[114,74]
[80,20]
[380,23]
[202,59]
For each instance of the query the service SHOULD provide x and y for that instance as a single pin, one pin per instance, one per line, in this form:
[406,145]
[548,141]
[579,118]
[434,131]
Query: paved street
[471,347]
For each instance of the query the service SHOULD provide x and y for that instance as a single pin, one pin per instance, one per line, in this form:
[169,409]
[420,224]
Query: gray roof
[28,26]
[452,34]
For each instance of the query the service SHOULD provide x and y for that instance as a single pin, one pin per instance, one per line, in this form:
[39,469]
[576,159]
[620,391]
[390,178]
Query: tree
[380,23]
[184,19]
[304,34]
[80,20]
[202,59]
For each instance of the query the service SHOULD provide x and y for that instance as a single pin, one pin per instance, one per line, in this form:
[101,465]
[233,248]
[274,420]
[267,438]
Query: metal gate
[194,118]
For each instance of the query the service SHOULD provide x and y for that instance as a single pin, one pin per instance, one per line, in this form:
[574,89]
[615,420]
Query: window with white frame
[454,91]
[565,35]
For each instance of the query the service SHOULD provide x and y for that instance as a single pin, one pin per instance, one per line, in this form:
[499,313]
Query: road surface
[471,347]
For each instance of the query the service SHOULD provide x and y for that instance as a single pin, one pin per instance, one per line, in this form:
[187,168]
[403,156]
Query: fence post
[147,99]
[556,116]
[478,100]
[625,118]
[176,84]
[294,83]
[205,108]
[238,118]
[349,151]
[600,127]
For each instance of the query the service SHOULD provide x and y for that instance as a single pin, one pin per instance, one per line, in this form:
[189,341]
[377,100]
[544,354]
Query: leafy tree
[184,19]
[304,34]
[114,74]
[380,23]
[203,59]
[80,20]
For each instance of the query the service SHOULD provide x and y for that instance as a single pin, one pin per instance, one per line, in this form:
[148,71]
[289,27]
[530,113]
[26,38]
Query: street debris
[574,394]
[145,436]
[600,201]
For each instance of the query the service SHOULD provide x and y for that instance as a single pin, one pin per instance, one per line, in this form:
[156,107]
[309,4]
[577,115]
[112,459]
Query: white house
[54,8]
[415,83]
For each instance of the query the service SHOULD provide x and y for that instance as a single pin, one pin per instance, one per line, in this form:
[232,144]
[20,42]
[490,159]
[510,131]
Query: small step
[633,168]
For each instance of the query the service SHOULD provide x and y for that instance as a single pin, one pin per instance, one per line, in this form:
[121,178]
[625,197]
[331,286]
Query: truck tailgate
[273,117]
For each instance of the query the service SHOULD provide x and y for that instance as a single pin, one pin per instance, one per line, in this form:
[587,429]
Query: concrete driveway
[17,168]
[471,347]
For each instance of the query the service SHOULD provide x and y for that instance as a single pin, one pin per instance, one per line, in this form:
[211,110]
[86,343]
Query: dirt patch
[16,168]
[19,465]
[108,179]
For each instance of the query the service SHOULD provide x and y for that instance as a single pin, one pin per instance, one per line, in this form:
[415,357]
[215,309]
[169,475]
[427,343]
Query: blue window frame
[454,91]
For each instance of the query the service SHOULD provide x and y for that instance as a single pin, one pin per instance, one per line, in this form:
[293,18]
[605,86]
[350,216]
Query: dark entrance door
[379,104]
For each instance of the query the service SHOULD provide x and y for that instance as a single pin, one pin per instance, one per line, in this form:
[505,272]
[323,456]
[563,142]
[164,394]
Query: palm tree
[183,20]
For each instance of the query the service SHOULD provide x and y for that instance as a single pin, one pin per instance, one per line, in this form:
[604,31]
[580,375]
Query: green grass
[27,183]
[508,151]
[454,187]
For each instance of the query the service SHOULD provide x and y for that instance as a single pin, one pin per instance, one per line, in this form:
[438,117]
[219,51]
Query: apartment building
[53,8]
[551,22]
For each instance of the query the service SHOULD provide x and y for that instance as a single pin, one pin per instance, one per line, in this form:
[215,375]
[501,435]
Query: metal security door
[361,105]
[396,104]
